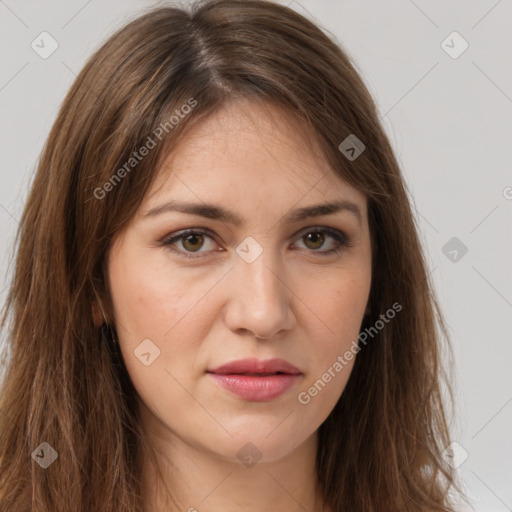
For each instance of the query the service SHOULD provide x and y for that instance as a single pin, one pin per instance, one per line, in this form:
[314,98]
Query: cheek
[152,303]
[159,328]
[339,305]
[148,303]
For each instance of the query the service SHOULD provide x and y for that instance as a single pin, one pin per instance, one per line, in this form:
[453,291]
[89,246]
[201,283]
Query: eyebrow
[216,212]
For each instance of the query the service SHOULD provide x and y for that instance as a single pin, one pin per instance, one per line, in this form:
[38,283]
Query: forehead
[253,153]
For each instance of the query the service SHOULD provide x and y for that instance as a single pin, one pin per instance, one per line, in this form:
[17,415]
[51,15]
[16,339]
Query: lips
[256,367]
[256,381]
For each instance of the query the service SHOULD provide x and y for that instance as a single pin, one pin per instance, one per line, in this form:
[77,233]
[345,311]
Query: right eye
[191,240]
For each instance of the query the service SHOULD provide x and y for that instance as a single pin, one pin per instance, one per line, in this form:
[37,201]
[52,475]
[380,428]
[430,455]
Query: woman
[220,301]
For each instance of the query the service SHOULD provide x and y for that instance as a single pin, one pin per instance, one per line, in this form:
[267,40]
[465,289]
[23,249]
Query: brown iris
[193,238]
[314,238]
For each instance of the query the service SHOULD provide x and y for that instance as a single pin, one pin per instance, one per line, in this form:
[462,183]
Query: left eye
[192,241]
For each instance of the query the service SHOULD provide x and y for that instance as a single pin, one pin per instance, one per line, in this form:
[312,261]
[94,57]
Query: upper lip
[256,366]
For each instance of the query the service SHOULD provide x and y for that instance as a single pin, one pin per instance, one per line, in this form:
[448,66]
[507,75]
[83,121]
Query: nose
[260,300]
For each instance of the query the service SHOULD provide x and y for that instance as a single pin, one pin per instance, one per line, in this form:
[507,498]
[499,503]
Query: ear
[96,315]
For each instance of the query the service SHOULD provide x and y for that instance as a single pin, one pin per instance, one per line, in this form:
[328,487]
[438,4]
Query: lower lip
[256,389]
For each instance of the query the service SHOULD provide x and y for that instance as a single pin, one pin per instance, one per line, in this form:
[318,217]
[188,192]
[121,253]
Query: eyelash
[340,237]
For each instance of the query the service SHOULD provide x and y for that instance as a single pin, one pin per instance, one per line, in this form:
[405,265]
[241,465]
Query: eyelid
[343,240]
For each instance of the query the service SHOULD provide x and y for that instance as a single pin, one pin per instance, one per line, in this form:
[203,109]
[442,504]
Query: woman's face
[257,283]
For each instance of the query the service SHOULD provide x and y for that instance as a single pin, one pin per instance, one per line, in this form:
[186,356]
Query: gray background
[449,120]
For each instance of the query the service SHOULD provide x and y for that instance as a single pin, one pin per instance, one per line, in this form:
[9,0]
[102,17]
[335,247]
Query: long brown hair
[381,447]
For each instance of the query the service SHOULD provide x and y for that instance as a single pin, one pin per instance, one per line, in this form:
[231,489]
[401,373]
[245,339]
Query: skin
[291,302]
